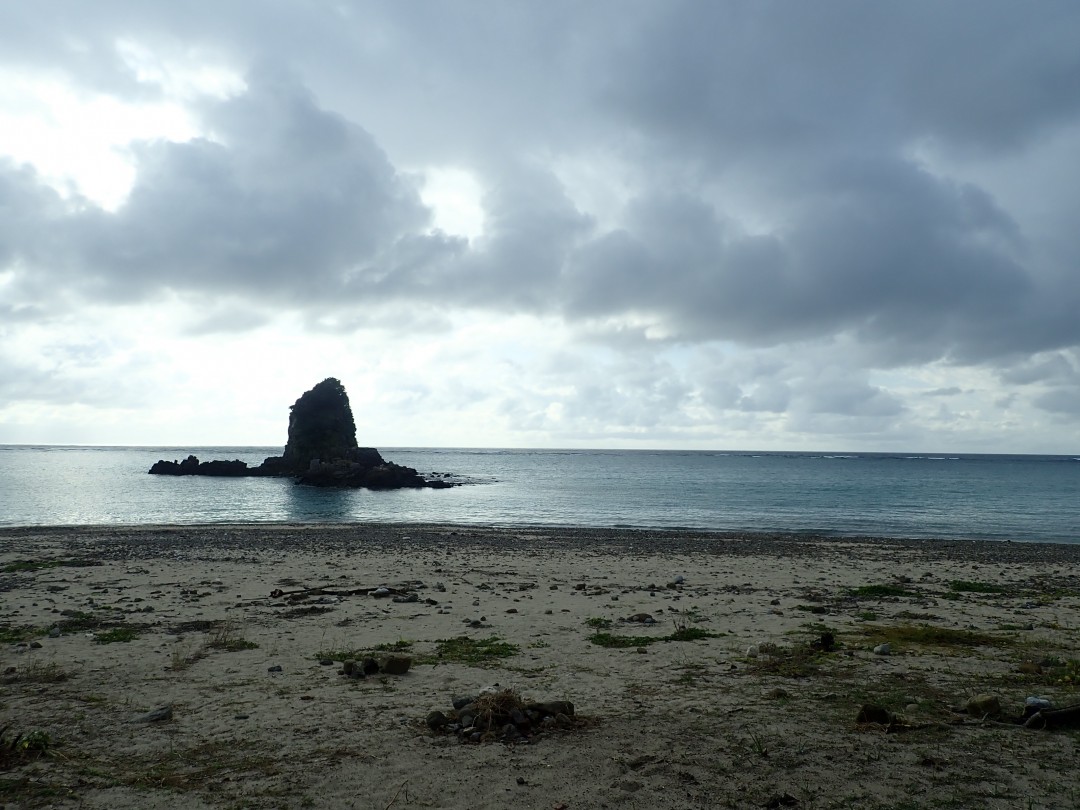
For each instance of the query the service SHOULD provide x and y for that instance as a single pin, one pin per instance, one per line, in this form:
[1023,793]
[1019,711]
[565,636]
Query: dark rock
[370,666]
[321,427]
[461,701]
[395,664]
[192,466]
[437,721]
[158,715]
[781,800]
[552,708]
[872,713]
[984,705]
[518,718]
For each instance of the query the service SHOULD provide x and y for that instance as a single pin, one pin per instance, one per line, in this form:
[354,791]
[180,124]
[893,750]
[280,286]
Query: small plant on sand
[612,641]
[881,592]
[22,747]
[798,661]
[225,638]
[38,672]
[598,623]
[23,566]
[965,586]
[117,634]
[681,632]
[13,634]
[478,652]
[930,636]
[342,654]
[401,645]
[20,566]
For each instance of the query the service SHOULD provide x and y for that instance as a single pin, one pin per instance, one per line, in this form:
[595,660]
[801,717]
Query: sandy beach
[705,670]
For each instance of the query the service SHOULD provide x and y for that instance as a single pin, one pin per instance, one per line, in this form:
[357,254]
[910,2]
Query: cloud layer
[785,218]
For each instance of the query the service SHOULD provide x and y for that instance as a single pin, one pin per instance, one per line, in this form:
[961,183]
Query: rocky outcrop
[192,466]
[321,427]
[321,451]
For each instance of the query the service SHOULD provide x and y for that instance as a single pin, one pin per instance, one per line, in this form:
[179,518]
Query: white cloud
[626,223]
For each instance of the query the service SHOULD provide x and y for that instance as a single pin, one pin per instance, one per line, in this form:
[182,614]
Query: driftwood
[326,590]
[1067,717]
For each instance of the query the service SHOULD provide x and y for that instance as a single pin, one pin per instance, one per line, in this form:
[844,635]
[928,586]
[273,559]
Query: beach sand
[737,710]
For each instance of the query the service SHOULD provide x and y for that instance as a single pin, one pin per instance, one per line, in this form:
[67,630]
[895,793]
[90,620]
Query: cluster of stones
[1038,713]
[321,451]
[500,716]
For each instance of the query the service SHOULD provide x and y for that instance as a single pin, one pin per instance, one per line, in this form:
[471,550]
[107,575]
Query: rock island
[321,451]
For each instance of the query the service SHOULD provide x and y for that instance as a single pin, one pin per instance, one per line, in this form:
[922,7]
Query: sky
[687,225]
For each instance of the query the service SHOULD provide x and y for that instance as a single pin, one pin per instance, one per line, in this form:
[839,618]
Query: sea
[913,495]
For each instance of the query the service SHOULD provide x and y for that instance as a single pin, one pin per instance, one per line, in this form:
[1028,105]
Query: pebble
[984,705]
[883,649]
[275,668]
[158,715]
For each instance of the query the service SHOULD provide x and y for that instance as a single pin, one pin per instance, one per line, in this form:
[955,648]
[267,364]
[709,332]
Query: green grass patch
[597,623]
[233,645]
[27,566]
[613,641]
[401,645]
[881,591]
[14,633]
[75,621]
[966,586]
[799,661]
[927,635]
[477,652]
[343,654]
[685,633]
[22,566]
[117,634]
[682,633]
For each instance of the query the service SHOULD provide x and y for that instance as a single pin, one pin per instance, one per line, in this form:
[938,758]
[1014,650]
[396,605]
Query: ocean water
[1023,498]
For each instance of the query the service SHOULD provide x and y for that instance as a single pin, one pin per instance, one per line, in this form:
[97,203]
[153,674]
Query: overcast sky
[730,225]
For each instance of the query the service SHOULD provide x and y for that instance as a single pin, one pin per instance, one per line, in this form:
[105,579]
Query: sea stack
[321,427]
[321,450]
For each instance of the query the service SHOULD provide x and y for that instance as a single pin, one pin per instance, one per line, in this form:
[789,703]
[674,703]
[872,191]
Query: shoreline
[740,712]
[122,539]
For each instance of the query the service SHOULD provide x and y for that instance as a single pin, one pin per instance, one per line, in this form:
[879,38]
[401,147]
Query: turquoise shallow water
[1026,498]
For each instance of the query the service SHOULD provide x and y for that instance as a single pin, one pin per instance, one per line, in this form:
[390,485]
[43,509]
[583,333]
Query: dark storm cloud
[812,113]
